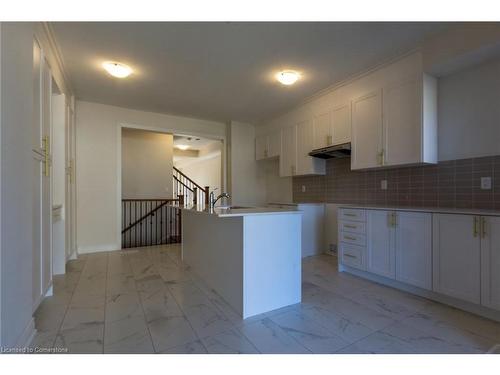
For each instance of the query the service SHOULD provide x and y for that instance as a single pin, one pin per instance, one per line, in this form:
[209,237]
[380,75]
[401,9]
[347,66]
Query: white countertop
[442,210]
[244,211]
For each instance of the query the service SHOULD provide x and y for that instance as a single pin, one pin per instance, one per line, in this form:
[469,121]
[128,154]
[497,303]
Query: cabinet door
[341,124]
[322,130]
[380,243]
[414,248]
[261,147]
[307,164]
[288,151]
[490,262]
[456,256]
[274,144]
[402,123]
[366,131]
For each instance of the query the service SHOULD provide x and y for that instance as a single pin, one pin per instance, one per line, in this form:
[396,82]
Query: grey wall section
[469,113]
[17,182]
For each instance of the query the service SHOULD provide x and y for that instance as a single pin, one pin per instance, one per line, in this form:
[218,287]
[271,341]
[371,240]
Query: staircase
[150,222]
[190,190]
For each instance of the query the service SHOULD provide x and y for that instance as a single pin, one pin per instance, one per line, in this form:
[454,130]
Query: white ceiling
[224,71]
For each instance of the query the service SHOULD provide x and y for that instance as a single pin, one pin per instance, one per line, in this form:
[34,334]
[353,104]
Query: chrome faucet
[214,200]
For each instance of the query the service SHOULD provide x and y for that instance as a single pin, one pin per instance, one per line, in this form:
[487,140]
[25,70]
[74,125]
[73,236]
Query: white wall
[247,181]
[205,171]
[278,189]
[98,178]
[16,242]
[469,112]
[146,164]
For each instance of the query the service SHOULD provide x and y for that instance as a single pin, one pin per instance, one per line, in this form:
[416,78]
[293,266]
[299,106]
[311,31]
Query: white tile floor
[145,301]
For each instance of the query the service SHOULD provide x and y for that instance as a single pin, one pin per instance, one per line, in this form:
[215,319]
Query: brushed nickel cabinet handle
[350,226]
[349,238]
[350,256]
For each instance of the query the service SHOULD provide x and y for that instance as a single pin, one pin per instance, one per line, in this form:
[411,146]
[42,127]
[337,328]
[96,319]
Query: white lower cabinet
[414,248]
[380,243]
[490,262]
[457,256]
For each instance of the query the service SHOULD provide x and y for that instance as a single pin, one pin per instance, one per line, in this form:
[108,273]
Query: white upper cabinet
[490,262]
[341,123]
[274,144]
[261,147]
[322,127]
[307,165]
[367,131]
[456,256]
[397,125]
[268,145]
[288,154]
[332,126]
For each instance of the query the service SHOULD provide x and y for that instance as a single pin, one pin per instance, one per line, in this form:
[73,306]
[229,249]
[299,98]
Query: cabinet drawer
[353,238]
[353,255]
[353,227]
[353,215]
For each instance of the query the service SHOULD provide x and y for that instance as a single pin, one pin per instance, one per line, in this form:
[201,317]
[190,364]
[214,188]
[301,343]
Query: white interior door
[456,256]
[367,131]
[42,259]
[414,248]
[380,243]
[490,262]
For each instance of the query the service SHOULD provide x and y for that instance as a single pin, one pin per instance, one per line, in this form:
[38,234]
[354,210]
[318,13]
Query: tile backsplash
[455,183]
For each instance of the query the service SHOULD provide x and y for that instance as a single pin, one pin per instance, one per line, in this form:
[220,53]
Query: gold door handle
[475,230]
[46,155]
[483,227]
[328,140]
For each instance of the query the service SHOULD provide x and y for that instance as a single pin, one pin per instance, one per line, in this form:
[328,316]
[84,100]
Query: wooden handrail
[186,177]
[147,215]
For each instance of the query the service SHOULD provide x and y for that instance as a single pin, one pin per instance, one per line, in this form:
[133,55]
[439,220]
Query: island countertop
[240,211]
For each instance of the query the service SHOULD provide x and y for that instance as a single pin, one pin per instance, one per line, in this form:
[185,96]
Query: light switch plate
[486,183]
[303,188]
[383,184]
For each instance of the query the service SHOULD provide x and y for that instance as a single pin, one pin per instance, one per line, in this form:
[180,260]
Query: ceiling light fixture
[182,147]
[288,77]
[117,69]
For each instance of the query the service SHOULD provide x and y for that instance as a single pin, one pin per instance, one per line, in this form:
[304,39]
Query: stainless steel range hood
[337,151]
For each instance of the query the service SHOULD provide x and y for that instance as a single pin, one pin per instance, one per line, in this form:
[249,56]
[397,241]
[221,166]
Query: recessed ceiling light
[182,147]
[117,69]
[288,77]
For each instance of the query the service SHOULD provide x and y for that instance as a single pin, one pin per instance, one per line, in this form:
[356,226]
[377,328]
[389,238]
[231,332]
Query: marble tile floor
[145,300]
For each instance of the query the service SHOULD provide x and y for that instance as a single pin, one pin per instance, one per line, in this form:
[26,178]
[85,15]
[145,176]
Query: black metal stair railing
[150,222]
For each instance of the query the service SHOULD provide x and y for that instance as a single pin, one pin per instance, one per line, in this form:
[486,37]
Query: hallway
[145,301]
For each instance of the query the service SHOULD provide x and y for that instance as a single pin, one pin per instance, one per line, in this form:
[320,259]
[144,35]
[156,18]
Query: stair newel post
[195,196]
[207,188]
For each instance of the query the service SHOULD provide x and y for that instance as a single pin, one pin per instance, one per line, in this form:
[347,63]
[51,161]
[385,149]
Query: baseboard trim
[98,249]
[27,336]
[72,256]
[462,305]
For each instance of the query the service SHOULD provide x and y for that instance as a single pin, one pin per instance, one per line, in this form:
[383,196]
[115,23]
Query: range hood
[337,151]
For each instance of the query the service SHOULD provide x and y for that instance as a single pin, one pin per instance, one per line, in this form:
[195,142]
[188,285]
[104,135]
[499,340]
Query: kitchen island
[250,256]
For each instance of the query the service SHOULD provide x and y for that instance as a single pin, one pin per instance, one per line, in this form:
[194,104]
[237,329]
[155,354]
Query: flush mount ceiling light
[182,147]
[288,77]
[117,69]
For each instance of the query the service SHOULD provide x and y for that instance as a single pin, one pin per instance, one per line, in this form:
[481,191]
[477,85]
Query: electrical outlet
[303,188]
[383,184]
[486,183]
